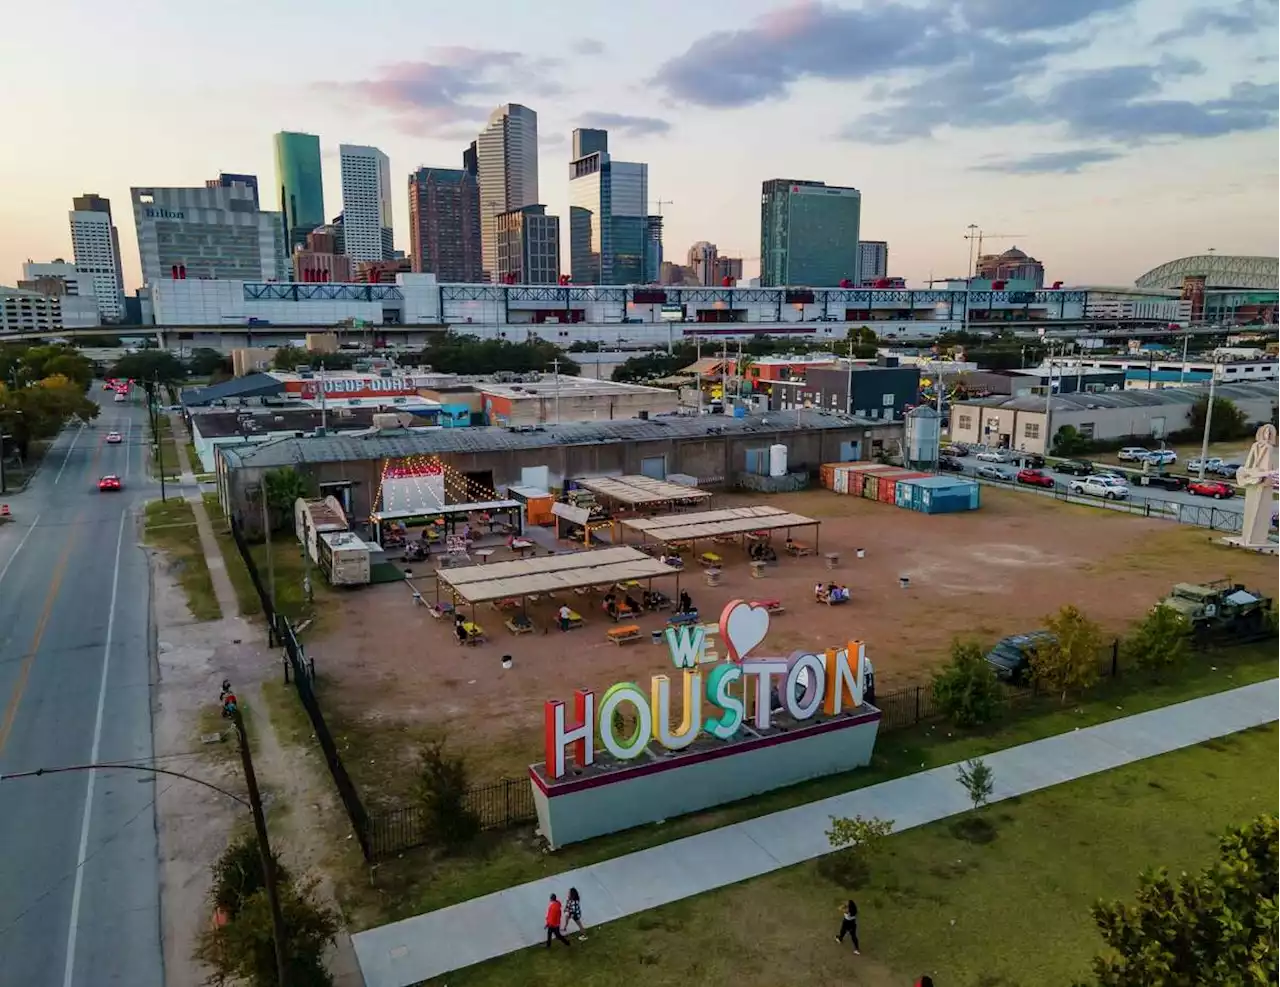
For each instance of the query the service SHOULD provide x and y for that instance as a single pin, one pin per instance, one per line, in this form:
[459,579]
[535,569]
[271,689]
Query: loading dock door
[849,452]
[655,468]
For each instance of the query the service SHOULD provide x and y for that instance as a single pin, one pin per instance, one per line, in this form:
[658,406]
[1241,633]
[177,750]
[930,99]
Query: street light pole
[1208,420]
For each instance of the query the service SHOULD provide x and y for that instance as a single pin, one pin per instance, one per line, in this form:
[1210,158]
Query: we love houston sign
[808,682]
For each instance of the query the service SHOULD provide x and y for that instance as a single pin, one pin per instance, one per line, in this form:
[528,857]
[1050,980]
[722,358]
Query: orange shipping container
[537,510]
[888,489]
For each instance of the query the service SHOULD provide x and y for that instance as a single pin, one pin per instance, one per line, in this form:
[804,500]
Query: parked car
[1011,657]
[992,456]
[957,449]
[1211,488]
[1132,454]
[1035,478]
[1107,487]
[986,472]
[947,464]
[1227,469]
[1210,464]
[1165,481]
[1074,467]
[1162,457]
[1029,461]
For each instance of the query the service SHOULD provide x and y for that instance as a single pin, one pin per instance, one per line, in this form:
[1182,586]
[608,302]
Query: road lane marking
[67,458]
[128,446]
[13,555]
[24,671]
[82,855]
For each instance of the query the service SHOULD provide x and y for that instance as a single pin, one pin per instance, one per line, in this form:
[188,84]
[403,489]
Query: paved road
[79,875]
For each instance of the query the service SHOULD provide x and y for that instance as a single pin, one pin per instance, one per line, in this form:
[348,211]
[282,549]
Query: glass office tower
[299,185]
[808,233]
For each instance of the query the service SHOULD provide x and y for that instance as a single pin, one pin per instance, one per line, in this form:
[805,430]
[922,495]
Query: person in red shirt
[553,922]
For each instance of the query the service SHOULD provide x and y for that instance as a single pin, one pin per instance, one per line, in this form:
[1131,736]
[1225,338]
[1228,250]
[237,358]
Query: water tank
[778,460]
[923,434]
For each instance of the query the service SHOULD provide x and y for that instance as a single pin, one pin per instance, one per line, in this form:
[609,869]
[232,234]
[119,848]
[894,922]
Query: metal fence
[499,805]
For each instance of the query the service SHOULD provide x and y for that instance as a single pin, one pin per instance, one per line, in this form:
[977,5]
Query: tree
[1162,640]
[1228,421]
[977,779]
[856,841]
[158,365]
[206,362]
[966,689]
[1067,441]
[442,788]
[648,367]
[240,947]
[283,488]
[40,410]
[1215,927]
[1067,657]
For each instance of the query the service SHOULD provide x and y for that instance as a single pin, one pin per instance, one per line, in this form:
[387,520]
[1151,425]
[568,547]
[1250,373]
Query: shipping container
[857,480]
[889,485]
[943,495]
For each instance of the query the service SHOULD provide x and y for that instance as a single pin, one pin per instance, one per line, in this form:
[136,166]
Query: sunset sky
[1108,135]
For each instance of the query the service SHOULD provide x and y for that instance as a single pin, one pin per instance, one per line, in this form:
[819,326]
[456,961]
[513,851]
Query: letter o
[625,692]
[811,670]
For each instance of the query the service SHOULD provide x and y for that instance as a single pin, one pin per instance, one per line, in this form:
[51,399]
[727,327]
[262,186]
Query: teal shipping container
[940,494]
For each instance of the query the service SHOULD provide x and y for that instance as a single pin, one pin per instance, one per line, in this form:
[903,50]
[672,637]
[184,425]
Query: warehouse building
[711,449]
[1024,423]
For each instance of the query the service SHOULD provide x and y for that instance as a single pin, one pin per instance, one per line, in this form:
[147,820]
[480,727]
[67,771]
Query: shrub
[1068,659]
[443,782]
[856,841]
[1162,640]
[237,875]
[1067,441]
[966,689]
[977,779]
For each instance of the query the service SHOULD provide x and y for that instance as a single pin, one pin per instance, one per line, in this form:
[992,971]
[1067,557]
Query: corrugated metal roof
[250,385]
[1160,397]
[346,448]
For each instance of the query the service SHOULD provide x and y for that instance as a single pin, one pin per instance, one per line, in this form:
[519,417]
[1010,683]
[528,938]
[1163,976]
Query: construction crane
[663,202]
[978,235]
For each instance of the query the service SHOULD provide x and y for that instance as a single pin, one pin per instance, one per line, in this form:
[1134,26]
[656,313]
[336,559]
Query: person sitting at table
[790,546]
[611,605]
[686,602]
[631,604]
[460,628]
[820,592]
[838,594]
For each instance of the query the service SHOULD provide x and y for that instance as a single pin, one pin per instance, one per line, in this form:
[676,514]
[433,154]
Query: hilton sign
[165,214]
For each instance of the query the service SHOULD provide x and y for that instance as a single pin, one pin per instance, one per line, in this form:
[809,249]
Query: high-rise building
[873,260]
[612,237]
[507,167]
[528,246]
[588,141]
[1012,265]
[728,267]
[471,160]
[381,271]
[96,249]
[73,288]
[227,179]
[444,224]
[366,203]
[299,184]
[214,232]
[808,233]
[319,260]
[702,258]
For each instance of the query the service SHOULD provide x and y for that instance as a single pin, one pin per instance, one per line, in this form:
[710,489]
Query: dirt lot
[392,671]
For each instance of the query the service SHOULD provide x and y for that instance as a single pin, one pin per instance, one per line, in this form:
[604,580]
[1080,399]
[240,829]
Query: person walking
[565,615]
[573,913]
[553,922]
[848,925]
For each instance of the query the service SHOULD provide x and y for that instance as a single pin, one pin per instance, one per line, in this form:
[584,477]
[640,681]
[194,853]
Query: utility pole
[555,368]
[1208,419]
[232,709]
[1048,399]
[271,565]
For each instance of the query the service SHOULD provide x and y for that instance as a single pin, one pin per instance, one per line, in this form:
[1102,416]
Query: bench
[770,606]
[833,603]
[439,610]
[475,633]
[796,550]
[710,559]
[575,619]
[519,628]
[682,619]
[621,635]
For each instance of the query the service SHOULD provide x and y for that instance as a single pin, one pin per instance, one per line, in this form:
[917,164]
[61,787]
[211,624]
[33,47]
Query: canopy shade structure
[710,524]
[442,509]
[636,490]
[551,574]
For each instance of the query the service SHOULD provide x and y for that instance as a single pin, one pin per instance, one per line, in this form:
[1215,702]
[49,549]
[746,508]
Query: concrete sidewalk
[426,946]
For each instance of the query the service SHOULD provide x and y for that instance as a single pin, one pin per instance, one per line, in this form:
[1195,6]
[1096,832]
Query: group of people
[831,593]
[672,560]
[560,915]
[761,551]
[460,629]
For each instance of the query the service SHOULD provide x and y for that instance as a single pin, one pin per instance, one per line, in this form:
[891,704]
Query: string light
[423,470]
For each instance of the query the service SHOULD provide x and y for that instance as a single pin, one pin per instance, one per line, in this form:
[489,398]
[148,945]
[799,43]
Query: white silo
[778,460]
[923,435]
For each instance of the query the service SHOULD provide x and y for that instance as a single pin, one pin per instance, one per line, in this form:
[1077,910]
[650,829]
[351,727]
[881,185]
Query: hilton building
[213,233]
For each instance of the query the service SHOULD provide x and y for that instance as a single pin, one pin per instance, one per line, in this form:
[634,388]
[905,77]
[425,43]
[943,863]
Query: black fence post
[917,719]
[1115,657]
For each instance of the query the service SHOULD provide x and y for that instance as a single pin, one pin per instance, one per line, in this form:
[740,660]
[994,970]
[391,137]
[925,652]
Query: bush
[1068,659]
[237,875]
[1068,441]
[966,690]
[856,841]
[442,788]
[1228,421]
[1162,640]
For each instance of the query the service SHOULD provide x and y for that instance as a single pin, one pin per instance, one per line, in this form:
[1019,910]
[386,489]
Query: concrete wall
[576,809]
[543,409]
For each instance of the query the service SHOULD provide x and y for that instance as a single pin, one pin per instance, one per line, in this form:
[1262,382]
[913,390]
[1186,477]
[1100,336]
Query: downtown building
[528,246]
[299,185]
[444,224]
[873,261]
[505,159]
[74,290]
[367,228]
[95,245]
[612,237]
[214,233]
[809,234]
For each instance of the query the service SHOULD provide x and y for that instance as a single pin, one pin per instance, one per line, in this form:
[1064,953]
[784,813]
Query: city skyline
[1038,121]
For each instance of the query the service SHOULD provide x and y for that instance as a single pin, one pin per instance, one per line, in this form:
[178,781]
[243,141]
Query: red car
[1035,478]
[1211,488]
[109,483]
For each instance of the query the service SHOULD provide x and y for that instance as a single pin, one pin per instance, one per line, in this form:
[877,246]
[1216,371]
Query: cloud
[554,139]
[587,46]
[632,126]
[1018,16]
[1049,162]
[1243,18]
[453,86]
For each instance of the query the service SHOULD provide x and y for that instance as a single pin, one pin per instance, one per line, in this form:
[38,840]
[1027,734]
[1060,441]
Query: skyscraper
[702,258]
[366,203]
[213,232]
[227,179]
[528,246]
[96,249]
[507,164]
[299,184]
[612,237]
[808,233]
[471,160]
[444,224]
[873,260]
[587,141]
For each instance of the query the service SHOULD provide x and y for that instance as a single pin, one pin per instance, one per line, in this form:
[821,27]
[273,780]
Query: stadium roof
[1219,271]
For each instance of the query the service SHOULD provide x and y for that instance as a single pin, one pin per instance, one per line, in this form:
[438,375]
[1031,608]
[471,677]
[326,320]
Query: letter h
[579,738]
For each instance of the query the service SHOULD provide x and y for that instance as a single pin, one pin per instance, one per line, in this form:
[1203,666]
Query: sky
[1103,137]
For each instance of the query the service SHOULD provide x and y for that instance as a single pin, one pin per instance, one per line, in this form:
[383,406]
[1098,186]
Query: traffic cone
[4,511]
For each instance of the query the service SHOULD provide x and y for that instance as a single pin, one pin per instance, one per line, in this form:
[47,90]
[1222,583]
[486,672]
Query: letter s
[719,684]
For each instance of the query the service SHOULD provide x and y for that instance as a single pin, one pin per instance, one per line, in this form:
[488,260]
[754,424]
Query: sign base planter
[610,795]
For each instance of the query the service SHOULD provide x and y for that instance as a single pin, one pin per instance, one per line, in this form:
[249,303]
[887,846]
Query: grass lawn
[246,595]
[416,882]
[1011,911]
[167,458]
[171,527]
